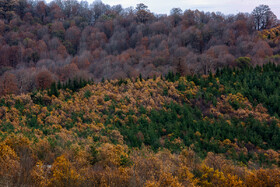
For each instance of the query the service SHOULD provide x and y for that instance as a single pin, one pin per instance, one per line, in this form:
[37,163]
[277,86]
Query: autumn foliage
[163,131]
[99,95]
[72,39]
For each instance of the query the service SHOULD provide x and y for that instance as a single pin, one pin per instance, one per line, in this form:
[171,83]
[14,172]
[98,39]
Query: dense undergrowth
[220,130]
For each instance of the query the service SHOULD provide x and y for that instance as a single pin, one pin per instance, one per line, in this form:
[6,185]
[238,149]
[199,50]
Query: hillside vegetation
[272,34]
[100,95]
[44,42]
[220,130]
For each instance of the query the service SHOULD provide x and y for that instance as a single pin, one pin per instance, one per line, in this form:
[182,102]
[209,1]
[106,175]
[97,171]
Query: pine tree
[140,77]
[59,86]
[54,91]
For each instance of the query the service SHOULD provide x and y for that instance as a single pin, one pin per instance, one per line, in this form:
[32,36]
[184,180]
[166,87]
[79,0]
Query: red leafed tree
[8,84]
[143,13]
[68,71]
[9,56]
[56,12]
[57,29]
[73,35]
[43,79]
[2,26]
[41,10]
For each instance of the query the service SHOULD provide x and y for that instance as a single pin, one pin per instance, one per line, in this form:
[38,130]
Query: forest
[198,130]
[41,42]
[100,95]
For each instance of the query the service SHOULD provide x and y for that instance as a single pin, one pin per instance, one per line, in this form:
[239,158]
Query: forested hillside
[209,130]
[99,95]
[43,42]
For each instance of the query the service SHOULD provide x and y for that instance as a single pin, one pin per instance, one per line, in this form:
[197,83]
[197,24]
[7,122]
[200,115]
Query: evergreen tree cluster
[73,85]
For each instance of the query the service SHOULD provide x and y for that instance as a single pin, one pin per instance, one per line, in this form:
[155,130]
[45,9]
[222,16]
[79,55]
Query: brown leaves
[263,177]
[238,106]
[9,163]
[8,84]
[44,79]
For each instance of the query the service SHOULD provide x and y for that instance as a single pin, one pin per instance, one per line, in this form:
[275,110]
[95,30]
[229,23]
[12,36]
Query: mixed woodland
[41,42]
[99,95]
[201,130]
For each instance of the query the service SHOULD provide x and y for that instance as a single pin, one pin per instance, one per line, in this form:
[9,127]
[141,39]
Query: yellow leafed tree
[63,174]
[9,164]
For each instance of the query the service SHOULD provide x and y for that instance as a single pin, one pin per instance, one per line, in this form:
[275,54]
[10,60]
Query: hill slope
[44,42]
[272,34]
[195,130]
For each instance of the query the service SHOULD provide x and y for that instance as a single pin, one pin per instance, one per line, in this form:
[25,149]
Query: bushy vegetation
[220,129]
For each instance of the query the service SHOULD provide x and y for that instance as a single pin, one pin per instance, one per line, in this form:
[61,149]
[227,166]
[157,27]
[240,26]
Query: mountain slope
[195,130]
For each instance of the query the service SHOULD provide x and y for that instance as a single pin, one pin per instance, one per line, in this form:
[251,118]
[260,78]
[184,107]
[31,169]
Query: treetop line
[61,40]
